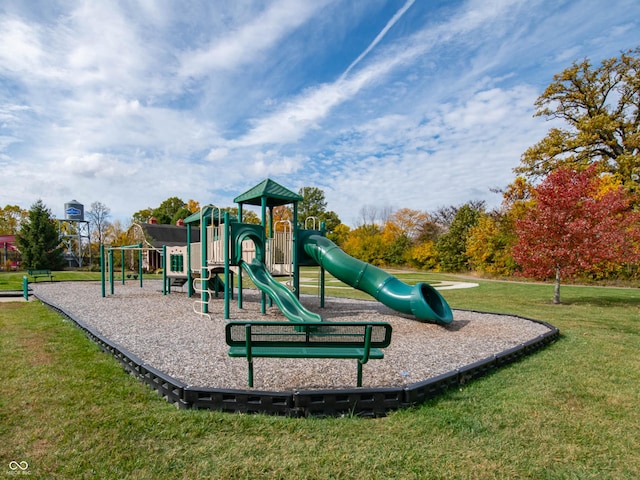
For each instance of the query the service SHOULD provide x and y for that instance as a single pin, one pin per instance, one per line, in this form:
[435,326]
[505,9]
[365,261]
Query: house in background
[9,253]
[154,235]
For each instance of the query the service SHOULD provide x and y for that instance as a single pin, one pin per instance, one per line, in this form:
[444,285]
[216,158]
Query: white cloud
[251,40]
[217,155]
[271,163]
[294,119]
[97,165]
[455,154]
[20,49]
[130,103]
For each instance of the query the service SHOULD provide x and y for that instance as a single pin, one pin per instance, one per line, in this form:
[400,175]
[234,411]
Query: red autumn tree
[575,223]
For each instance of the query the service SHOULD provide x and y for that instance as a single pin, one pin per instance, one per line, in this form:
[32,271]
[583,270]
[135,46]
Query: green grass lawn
[13,280]
[568,411]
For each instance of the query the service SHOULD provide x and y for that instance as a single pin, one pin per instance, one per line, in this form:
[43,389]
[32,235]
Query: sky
[395,104]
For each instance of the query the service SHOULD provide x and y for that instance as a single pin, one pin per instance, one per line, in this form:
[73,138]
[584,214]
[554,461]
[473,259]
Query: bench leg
[359,374]
[250,373]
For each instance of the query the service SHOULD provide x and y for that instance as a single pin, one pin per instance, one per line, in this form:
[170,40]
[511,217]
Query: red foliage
[573,226]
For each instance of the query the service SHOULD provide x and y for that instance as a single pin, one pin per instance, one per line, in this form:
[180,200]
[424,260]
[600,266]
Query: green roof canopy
[208,211]
[274,193]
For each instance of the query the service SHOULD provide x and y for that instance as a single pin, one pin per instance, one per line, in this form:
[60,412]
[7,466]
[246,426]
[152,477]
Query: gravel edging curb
[367,402]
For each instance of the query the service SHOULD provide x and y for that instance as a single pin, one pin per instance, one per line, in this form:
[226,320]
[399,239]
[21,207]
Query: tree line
[572,210]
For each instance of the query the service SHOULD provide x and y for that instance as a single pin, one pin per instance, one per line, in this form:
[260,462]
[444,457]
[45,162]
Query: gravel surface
[165,332]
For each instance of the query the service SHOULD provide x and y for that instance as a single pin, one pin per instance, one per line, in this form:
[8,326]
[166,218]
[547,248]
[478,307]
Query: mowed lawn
[571,411]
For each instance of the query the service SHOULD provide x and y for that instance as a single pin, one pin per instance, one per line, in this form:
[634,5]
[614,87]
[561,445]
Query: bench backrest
[326,334]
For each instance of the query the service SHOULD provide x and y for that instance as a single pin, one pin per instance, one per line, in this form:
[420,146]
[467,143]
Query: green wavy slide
[286,301]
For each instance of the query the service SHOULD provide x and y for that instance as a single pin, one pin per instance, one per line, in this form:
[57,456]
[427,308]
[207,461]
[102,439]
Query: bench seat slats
[306,352]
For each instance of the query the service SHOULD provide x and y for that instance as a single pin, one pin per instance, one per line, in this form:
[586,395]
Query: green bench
[35,274]
[362,341]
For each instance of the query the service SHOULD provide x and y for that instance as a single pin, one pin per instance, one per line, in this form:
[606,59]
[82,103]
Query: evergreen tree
[39,241]
[314,205]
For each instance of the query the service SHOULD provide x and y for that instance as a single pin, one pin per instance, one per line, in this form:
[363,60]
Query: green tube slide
[420,300]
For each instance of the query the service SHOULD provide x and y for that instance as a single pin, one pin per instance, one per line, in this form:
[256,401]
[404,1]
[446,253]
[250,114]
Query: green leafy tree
[314,204]
[331,221]
[396,253]
[142,216]
[38,240]
[167,210]
[181,214]
[601,108]
[452,246]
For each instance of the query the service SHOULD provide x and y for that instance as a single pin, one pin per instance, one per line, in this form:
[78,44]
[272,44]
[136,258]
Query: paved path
[12,296]
[442,285]
[5,299]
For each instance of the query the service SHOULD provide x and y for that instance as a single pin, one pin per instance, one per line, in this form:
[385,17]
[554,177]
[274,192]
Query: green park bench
[35,274]
[350,340]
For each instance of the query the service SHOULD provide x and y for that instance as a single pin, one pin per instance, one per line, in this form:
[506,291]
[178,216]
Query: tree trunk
[556,290]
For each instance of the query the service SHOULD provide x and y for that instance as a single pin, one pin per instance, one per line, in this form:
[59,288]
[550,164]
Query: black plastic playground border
[366,402]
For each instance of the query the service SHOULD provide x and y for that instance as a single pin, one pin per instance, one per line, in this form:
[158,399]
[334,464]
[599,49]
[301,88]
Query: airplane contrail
[379,37]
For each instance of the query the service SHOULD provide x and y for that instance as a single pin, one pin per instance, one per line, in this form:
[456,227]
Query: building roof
[8,242]
[274,193]
[169,235]
[7,238]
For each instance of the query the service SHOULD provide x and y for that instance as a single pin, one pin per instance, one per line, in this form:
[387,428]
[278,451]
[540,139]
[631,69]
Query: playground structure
[229,247]
[227,250]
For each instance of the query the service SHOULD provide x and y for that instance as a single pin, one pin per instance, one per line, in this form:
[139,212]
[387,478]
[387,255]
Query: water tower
[74,232]
[74,211]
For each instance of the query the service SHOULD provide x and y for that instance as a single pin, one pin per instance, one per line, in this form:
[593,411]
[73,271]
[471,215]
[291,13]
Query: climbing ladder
[201,287]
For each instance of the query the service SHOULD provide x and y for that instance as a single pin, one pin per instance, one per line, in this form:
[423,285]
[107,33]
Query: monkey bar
[107,264]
